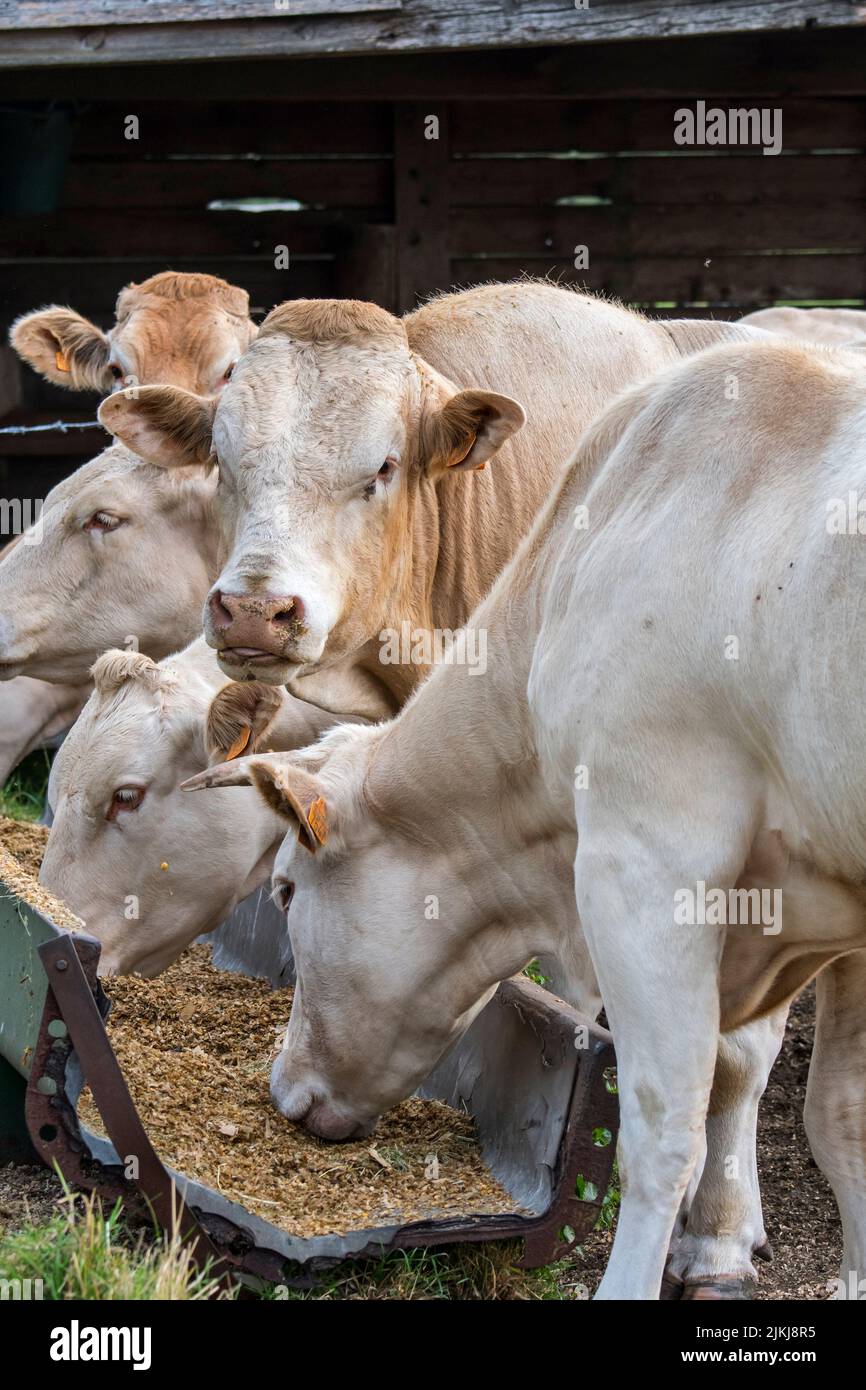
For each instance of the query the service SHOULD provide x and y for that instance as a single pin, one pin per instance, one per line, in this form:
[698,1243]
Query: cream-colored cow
[674,684]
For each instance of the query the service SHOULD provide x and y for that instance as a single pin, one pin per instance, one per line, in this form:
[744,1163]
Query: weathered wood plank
[421,200]
[193,183]
[424,25]
[750,280]
[818,62]
[92,286]
[64,14]
[233,128]
[720,178]
[535,126]
[671,229]
[367,267]
[168,232]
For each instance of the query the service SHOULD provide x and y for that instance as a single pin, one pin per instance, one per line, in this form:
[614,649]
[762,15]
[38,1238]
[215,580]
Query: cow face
[147,868]
[331,441]
[122,554]
[188,329]
[398,938]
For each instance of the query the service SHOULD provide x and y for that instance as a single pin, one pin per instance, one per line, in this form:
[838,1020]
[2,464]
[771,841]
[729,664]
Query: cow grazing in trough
[713,516]
[119,817]
[184,328]
[351,444]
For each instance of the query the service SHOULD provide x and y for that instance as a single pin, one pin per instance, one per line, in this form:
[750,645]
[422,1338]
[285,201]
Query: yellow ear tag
[317,819]
[61,362]
[239,745]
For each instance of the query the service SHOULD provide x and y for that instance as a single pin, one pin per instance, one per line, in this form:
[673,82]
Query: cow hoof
[718,1288]
[764,1252]
[672,1288]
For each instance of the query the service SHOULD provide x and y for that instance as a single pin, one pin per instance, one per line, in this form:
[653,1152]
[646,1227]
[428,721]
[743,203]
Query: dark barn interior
[540,150]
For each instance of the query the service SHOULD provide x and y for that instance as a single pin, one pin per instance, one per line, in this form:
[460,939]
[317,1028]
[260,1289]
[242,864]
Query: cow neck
[464,745]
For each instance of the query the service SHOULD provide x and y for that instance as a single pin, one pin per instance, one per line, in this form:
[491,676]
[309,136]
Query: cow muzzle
[253,629]
[305,1104]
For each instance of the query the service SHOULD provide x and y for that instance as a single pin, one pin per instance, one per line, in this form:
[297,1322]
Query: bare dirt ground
[800,1211]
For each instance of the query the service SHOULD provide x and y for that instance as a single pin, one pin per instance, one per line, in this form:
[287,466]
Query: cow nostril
[290,614]
[221,615]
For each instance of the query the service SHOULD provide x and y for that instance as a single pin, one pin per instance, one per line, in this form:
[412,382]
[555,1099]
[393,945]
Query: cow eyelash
[103,521]
[282,895]
[125,799]
[385,473]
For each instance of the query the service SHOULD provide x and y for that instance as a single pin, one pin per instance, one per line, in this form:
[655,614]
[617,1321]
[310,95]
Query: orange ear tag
[61,362]
[317,819]
[239,745]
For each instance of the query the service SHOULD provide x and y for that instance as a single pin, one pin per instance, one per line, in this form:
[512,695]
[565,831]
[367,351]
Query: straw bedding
[196,1045]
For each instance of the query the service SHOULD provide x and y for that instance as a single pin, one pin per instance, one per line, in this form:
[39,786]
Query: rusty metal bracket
[72,1019]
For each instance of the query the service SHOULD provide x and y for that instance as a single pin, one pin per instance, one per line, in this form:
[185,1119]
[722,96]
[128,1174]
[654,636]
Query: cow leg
[835,1112]
[723,1224]
[659,982]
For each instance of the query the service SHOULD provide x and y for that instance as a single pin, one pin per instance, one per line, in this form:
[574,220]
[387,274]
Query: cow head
[404,911]
[184,328]
[122,554]
[147,868]
[332,441]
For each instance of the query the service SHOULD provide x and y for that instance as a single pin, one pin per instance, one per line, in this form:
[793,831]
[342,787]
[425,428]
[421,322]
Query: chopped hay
[196,1046]
[22,846]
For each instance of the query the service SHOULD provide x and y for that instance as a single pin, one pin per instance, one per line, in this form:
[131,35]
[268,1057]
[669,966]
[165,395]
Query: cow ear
[468,429]
[164,425]
[64,348]
[239,717]
[293,793]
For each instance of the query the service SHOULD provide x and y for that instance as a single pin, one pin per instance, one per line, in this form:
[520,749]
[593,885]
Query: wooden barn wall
[513,185]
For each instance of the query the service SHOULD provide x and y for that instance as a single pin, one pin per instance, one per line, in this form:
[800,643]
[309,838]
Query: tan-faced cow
[350,446]
[177,327]
[184,328]
[720,824]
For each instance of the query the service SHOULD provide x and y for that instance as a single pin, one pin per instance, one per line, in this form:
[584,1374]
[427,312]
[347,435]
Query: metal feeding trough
[535,1075]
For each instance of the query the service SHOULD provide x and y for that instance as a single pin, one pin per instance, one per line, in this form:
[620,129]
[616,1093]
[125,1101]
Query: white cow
[674,680]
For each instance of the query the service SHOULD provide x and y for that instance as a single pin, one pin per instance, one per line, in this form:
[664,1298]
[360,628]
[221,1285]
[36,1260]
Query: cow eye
[283,894]
[103,521]
[227,374]
[116,372]
[384,474]
[125,799]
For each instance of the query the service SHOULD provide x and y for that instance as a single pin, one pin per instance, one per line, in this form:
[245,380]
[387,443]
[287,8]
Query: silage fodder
[196,1045]
[22,846]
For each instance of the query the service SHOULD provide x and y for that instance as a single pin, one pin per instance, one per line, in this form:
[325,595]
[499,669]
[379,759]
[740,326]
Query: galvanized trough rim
[73,1048]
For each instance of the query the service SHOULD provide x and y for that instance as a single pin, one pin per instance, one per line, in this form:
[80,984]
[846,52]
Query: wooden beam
[73,14]
[421,196]
[367,267]
[775,64]
[422,26]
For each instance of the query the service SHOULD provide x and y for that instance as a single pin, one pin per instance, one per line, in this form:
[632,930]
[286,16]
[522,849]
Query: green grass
[83,1254]
[23,795]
